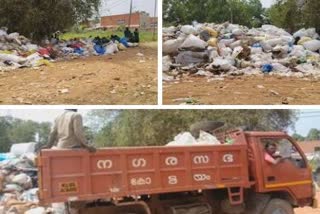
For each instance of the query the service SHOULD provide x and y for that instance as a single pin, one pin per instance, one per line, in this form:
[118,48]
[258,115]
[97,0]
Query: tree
[286,14]
[97,119]
[298,137]
[5,141]
[37,19]
[314,134]
[158,127]
[13,130]
[311,13]
[43,130]
[243,12]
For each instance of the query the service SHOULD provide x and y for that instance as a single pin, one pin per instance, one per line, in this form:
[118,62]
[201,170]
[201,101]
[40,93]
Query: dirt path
[308,210]
[124,78]
[260,90]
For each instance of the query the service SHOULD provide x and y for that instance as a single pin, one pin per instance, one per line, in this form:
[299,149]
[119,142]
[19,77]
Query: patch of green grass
[145,36]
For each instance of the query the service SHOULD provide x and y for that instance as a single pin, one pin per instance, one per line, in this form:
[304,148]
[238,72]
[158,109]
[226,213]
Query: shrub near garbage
[17,51]
[229,49]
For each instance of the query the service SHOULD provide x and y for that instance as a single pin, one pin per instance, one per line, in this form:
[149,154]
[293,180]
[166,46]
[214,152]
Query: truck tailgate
[68,175]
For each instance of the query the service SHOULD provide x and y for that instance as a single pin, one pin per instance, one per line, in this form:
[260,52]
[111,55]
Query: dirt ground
[125,78]
[261,90]
[309,210]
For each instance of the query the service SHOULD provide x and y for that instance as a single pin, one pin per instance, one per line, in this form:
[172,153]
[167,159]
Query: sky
[308,119]
[114,7]
[36,114]
[267,3]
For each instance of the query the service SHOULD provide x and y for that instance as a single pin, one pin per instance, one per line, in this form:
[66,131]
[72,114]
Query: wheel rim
[279,211]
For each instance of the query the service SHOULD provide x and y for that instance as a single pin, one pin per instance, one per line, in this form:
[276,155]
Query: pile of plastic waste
[230,49]
[17,51]
[187,139]
[18,181]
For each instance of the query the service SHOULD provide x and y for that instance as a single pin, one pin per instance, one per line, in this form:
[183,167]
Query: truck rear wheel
[278,206]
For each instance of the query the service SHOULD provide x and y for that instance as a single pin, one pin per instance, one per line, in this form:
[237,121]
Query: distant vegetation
[314,134]
[37,19]
[288,14]
[145,36]
[158,127]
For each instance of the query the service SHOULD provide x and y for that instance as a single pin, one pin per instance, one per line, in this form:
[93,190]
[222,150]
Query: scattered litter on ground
[226,49]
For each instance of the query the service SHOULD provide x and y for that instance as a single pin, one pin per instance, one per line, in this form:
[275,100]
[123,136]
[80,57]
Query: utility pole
[130,14]
[156,22]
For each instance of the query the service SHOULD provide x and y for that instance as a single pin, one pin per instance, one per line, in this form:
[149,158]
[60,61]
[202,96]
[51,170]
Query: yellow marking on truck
[289,184]
[68,187]
[221,185]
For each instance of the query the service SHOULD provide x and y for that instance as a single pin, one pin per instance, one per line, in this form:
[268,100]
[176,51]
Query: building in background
[141,20]
[154,22]
[308,147]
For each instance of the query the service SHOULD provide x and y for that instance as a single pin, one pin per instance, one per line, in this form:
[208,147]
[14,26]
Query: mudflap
[315,203]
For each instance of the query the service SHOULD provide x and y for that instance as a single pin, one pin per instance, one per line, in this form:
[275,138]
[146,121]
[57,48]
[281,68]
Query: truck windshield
[284,149]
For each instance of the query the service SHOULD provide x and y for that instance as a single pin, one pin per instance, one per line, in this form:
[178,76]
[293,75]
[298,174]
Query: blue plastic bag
[79,51]
[124,41]
[99,49]
[4,156]
[267,68]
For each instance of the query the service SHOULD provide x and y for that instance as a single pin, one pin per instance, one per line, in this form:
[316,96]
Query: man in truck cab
[68,132]
[270,154]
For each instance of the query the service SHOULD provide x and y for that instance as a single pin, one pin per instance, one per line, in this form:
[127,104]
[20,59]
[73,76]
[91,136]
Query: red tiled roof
[309,146]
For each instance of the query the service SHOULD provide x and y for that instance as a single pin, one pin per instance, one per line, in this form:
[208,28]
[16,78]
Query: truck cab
[290,179]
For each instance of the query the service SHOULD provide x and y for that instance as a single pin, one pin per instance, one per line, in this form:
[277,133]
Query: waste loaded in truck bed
[70,175]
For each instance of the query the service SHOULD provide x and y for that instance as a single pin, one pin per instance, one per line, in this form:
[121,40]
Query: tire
[278,206]
[207,126]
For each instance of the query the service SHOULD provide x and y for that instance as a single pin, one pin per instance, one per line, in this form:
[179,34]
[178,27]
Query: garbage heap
[187,139]
[18,185]
[17,51]
[229,49]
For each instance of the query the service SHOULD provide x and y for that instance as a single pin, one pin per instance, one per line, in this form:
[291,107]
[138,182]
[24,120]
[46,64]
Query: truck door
[291,174]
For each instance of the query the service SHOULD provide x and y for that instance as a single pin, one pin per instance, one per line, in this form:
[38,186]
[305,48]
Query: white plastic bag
[206,138]
[222,64]
[166,63]
[13,58]
[22,148]
[188,29]
[21,179]
[313,45]
[38,210]
[171,46]
[112,48]
[183,139]
[194,43]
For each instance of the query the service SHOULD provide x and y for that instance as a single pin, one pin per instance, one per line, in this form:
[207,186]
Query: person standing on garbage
[68,132]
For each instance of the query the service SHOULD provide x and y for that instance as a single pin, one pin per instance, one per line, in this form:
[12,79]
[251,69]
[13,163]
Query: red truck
[229,178]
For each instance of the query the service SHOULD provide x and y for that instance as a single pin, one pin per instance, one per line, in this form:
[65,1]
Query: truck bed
[71,175]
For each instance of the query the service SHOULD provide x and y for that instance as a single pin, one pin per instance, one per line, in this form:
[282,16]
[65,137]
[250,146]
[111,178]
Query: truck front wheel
[278,206]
